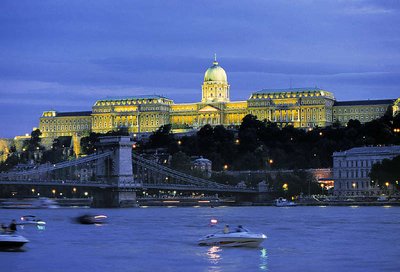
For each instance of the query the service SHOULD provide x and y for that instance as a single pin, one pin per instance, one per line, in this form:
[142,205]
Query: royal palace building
[299,107]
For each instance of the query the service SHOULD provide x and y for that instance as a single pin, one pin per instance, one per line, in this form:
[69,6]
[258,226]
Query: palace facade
[299,107]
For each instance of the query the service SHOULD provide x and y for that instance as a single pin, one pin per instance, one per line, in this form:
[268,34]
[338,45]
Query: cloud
[371,7]
[67,54]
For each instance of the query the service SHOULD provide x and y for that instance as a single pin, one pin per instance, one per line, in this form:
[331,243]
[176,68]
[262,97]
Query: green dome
[215,73]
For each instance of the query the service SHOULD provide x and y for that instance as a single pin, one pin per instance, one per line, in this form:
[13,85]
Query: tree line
[260,145]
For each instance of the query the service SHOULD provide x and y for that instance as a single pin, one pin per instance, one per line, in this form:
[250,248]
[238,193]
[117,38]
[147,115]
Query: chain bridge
[115,174]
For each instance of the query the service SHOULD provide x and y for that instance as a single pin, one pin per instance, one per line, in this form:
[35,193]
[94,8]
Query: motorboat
[91,219]
[12,241]
[31,220]
[239,238]
[283,202]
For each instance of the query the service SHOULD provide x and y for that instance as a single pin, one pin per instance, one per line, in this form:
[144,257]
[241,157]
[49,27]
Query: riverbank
[190,202]
[338,203]
[187,202]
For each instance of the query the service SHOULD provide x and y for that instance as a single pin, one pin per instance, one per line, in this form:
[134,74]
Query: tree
[88,143]
[249,133]
[162,137]
[180,161]
[293,184]
[34,142]
[11,161]
[206,141]
[387,171]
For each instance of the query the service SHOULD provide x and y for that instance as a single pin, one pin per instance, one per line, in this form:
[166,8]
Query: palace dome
[215,73]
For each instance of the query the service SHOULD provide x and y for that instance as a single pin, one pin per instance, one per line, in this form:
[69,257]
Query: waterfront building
[351,169]
[299,107]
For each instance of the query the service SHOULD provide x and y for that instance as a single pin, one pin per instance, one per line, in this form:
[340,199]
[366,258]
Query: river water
[164,239]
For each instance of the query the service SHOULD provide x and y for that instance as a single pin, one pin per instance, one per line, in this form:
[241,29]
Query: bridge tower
[116,171]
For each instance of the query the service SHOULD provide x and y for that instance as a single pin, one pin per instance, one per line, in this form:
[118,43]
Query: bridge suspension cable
[188,180]
[56,166]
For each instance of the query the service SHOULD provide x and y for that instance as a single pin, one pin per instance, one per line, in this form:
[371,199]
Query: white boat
[31,220]
[283,202]
[239,238]
[12,241]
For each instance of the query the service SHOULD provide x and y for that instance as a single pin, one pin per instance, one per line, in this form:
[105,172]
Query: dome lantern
[215,72]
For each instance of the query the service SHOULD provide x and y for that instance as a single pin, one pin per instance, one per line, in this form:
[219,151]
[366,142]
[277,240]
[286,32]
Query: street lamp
[322,188]
[271,161]
[225,167]
[387,187]
[285,186]
[54,192]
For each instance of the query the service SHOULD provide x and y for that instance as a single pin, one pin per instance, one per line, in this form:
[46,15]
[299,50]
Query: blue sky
[64,55]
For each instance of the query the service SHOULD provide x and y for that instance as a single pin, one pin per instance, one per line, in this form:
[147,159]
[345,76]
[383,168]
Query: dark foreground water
[164,239]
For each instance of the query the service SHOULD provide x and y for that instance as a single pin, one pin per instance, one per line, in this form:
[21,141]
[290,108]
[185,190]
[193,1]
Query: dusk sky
[65,55]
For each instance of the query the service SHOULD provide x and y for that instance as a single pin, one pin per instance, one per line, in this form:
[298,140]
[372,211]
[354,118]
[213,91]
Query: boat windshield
[234,230]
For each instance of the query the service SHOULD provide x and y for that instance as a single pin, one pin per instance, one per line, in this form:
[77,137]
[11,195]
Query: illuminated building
[351,169]
[299,107]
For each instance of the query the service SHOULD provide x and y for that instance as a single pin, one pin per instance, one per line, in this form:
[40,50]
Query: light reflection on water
[264,260]
[213,254]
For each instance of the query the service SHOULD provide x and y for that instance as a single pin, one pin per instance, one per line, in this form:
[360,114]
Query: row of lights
[354,185]
[270,161]
[53,191]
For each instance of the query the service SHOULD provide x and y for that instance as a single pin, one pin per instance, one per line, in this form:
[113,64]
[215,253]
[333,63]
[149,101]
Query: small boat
[283,202]
[31,220]
[238,238]
[91,219]
[12,241]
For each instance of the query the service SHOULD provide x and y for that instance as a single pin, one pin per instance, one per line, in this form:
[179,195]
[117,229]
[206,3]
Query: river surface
[164,239]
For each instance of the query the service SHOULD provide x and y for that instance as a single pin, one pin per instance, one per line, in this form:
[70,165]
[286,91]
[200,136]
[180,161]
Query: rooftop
[289,90]
[74,113]
[292,92]
[364,102]
[135,97]
[371,150]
